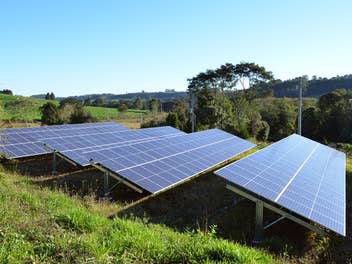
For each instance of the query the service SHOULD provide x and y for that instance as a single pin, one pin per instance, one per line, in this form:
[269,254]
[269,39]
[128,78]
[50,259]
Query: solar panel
[75,147]
[159,164]
[22,142]
[299,174]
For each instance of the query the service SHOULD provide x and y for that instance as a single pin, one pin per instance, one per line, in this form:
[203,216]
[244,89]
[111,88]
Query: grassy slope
[20,108]
[39,225]
[27,109]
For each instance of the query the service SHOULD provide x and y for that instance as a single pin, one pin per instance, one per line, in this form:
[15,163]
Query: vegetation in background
[20,108]
[6,91]
[69,111]
[50,96]
[315,87]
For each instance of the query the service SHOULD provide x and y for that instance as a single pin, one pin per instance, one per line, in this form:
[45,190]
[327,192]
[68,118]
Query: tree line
[314,87]
[252,112]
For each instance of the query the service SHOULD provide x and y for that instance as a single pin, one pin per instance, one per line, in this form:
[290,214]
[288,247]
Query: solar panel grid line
[57,127]
[308,208]
[81,157]
[317,191]
[296,173]
[319,186]
[15,143]
[252,154]
[202,171]
[84,134]
[269,167]
[171,155]
[135,146]
[186,169]
[113,145]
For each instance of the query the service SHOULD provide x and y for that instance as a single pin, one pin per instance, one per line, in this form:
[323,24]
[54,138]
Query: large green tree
[210,90]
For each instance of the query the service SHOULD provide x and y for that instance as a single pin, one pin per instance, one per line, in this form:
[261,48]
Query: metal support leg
[54,171]
[259,230]
[106,183]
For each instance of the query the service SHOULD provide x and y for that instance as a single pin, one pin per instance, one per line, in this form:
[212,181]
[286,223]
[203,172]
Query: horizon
[90,47]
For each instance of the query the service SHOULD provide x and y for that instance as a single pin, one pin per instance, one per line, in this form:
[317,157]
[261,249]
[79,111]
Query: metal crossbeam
[108,173]
[259,213]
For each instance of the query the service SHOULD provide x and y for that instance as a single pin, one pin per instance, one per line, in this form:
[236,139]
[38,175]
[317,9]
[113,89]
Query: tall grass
[44,226]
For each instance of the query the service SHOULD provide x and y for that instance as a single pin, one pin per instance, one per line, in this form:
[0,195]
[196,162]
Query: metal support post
[259,230]
[54,171]
[299,121]
[191,111]
[106,183]
[277,210]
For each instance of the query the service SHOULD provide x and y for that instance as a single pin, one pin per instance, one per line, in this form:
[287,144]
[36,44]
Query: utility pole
[191,111]
[299,121]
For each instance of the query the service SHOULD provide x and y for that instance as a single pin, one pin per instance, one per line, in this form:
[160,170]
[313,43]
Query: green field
[20,108]
[110,113]
[27,109]
[38,225]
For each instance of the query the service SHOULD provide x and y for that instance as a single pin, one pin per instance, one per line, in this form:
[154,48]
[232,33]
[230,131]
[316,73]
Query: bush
[172,120]
[123,108]
[263,133]
[81,116]
[50,114]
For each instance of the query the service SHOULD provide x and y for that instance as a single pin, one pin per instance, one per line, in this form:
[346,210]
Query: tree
[50,96]
[6,91]
[99,101]
[281,118]
[172,120]
[88,101]
[264,132]
[210,89]
[311,123]
[153,105]
[72,101]
[50,114]
[66,111]
[180,108]
[250,74]
[138,103]
[81,116]
[123,108]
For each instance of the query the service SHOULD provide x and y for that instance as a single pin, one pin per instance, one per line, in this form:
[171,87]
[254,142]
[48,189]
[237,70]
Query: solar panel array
[23,142]
[299,174]
[75,148]
[161,163]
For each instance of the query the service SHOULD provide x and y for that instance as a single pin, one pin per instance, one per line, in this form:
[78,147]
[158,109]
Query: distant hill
[312,88]
[163,96]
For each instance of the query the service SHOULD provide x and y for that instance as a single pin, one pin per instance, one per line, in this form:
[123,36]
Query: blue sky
[74,47]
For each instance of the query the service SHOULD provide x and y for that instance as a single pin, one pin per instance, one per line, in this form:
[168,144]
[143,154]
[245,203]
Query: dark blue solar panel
[21,142]
[159,164]
[75,147]
[302,175]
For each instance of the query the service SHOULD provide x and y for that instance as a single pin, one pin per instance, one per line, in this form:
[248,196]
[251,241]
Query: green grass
[102,112]
[27,109]
[20,108]
[40,225]
[108,113]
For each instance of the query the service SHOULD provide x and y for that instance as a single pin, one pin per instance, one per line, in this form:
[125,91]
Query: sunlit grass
[40,225]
